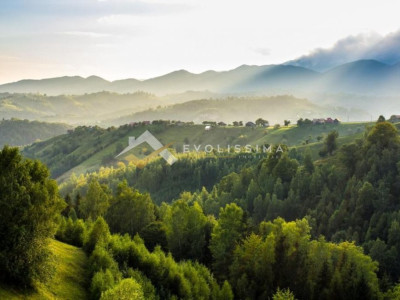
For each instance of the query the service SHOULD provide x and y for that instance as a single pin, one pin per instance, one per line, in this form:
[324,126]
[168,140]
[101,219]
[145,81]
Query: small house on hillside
[208,127]
[329,121]
[318,121]
[250,124]
[321,121]
[394,118]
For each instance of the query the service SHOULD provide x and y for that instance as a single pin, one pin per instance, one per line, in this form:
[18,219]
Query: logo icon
[158,148]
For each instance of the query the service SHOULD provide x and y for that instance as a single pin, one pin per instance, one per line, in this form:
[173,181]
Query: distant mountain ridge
[360,77]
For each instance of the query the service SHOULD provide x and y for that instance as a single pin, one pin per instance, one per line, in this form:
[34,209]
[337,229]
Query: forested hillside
[86,149]
[73,109]
[348,198]
[112,109]
[199,150]
[17,132]
[275,109]
[281,226]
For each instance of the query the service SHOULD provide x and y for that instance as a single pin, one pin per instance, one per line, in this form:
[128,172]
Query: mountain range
[366,77]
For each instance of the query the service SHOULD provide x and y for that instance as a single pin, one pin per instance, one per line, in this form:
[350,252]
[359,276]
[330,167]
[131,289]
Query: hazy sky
[127,38]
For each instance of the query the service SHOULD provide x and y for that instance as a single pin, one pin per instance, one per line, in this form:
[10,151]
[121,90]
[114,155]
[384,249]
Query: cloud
[86,34]
[363,46]
[148,1]
[87,8]
[9,57]
[262,51]
[139,7]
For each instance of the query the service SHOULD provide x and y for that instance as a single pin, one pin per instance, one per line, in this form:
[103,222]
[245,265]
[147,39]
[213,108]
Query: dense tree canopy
[130,211]
[96,202]
[29,204]
[282,255]
[228,231]
[280,227]
[186,230]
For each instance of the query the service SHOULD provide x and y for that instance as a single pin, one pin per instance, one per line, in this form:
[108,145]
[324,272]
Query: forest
[285,226]
[16,132]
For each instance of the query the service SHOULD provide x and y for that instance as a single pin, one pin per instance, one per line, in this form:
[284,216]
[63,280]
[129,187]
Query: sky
[117,39]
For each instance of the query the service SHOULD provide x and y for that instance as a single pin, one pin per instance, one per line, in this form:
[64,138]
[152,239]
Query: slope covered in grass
[68,282]
[89,148]
[275,109]
[17,132]
[87,109]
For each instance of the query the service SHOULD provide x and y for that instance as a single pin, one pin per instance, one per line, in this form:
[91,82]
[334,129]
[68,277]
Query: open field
[68,282]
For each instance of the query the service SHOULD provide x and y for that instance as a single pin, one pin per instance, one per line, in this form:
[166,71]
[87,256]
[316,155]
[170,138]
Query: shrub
[71,232]
[101,281]
[100,260]
[283,295]
[98,235]
[148,288]
[127,289]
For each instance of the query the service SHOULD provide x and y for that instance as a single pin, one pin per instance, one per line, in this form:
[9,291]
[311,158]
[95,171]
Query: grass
[68,282]
[195,134]
[292,136]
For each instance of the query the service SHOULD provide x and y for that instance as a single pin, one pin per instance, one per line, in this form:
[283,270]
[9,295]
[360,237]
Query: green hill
[86,149]
[112,109]
[17,132]
[72,109]
[68,282]
[274,109]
